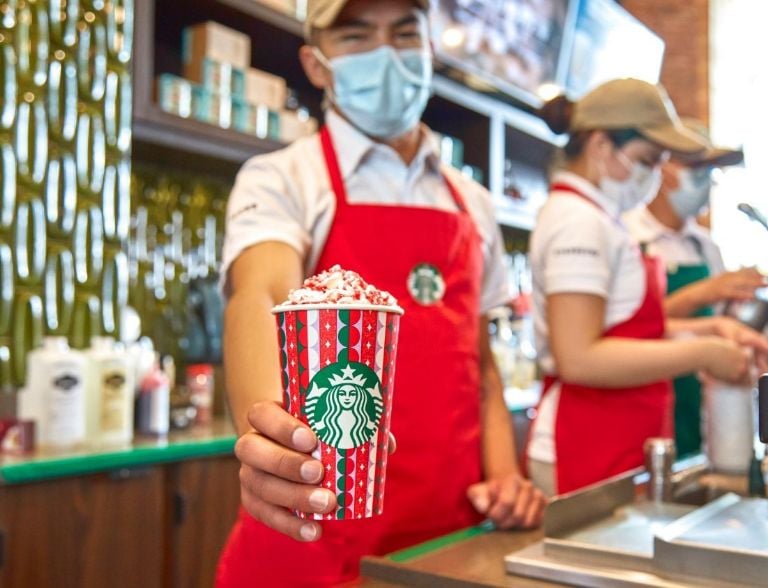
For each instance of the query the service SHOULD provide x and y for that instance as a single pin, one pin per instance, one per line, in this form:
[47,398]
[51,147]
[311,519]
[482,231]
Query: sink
[724,541]
[698,494]
[610,536]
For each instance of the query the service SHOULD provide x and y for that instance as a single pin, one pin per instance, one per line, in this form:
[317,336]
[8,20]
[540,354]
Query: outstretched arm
[276,474]
[738,285]
[584,356]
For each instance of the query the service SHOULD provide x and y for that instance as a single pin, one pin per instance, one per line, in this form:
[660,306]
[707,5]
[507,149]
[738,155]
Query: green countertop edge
[58,467]
[410,553]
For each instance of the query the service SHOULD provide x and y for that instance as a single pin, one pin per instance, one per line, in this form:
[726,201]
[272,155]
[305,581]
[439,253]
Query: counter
[162,506]
[475,556]
[196,442]
[470,557]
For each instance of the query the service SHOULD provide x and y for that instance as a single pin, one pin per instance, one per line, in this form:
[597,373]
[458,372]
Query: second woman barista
[598,312]
[696,278]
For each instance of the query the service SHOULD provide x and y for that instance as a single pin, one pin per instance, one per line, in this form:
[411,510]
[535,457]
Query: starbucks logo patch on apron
[426,284]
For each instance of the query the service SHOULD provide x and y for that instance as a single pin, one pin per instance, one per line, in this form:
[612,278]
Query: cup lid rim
[327,306]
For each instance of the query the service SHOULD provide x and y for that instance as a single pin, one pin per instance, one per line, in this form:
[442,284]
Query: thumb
[392,447]
[480,495]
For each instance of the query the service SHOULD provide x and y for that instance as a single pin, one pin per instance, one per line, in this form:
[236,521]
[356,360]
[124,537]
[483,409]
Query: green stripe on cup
[341,469]
[343,337]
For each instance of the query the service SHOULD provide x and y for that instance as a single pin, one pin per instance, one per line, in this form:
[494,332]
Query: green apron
[688,387]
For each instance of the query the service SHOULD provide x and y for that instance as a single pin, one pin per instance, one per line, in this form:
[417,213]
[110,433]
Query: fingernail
[311,471]
[318,500]
[303,439]
[308,532]
[481,503]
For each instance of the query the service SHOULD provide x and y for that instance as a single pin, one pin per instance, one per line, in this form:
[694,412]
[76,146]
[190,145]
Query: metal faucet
[660,454]
[666,476]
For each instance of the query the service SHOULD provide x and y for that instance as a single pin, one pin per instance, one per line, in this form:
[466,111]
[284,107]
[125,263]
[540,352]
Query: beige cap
[634,104]
[322,13]
[712,155]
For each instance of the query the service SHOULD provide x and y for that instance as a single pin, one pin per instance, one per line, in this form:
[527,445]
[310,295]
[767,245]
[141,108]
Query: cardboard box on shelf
[295,124]
[294,8]
[256,119]
[174,95]
[217,42]
[216,76]
[265,88]
[212,107]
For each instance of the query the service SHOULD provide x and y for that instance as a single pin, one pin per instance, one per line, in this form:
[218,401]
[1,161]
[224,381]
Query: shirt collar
[353,146]
[645,226]
[649,229]
[588,189]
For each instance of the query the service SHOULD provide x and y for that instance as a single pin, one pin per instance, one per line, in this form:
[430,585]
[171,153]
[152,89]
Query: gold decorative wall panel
[65,137]
[175,242]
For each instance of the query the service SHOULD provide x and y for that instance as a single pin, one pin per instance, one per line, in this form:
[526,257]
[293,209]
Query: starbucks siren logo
[426,284]
[344,404]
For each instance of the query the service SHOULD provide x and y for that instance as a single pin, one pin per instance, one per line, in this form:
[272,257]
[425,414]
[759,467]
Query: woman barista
[696,278]
[598,311]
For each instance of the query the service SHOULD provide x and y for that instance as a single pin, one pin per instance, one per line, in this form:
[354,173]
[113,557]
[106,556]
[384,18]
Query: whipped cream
[339,286]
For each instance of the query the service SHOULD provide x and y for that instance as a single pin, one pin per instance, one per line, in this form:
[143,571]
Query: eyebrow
[358,23]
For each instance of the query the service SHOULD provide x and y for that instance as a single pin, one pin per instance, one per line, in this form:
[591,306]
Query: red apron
[600,432]
[436,407]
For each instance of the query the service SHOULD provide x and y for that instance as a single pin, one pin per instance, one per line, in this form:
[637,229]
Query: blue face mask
[382,92]
[692,193]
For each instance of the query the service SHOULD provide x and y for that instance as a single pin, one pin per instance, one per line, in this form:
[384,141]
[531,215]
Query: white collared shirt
[691,245]
[578,248]
[286,196]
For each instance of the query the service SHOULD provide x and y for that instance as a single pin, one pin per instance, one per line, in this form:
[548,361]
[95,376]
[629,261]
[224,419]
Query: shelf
[497,129]
[515,219]
[273,16]
[217,439]
[514,117]
[152,126]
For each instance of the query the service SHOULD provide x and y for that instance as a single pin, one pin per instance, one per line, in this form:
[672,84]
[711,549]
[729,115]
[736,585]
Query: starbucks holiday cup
[338,374]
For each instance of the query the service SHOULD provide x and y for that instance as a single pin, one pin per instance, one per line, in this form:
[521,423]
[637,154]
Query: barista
[598,312]
[696,278]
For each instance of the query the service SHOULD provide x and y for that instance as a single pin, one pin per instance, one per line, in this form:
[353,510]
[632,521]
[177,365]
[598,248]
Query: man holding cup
[370,194]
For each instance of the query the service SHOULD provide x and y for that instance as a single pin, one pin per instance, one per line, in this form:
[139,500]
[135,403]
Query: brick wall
[684,27]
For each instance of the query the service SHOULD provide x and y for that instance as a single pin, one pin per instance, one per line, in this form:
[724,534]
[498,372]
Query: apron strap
[332,164]
[455,194]
[337,181]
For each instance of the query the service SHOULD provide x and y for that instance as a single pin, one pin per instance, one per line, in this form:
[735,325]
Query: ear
[316,72]
[599,143]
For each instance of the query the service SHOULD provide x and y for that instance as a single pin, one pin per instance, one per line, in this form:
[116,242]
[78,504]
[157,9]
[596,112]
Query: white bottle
[729,426]
[55,393]
[110,393]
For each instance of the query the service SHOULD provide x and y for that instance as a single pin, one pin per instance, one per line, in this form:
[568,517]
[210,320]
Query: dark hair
[557,113]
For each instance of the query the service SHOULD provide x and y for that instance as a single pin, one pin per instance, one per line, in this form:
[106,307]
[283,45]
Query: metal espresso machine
[659,526]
